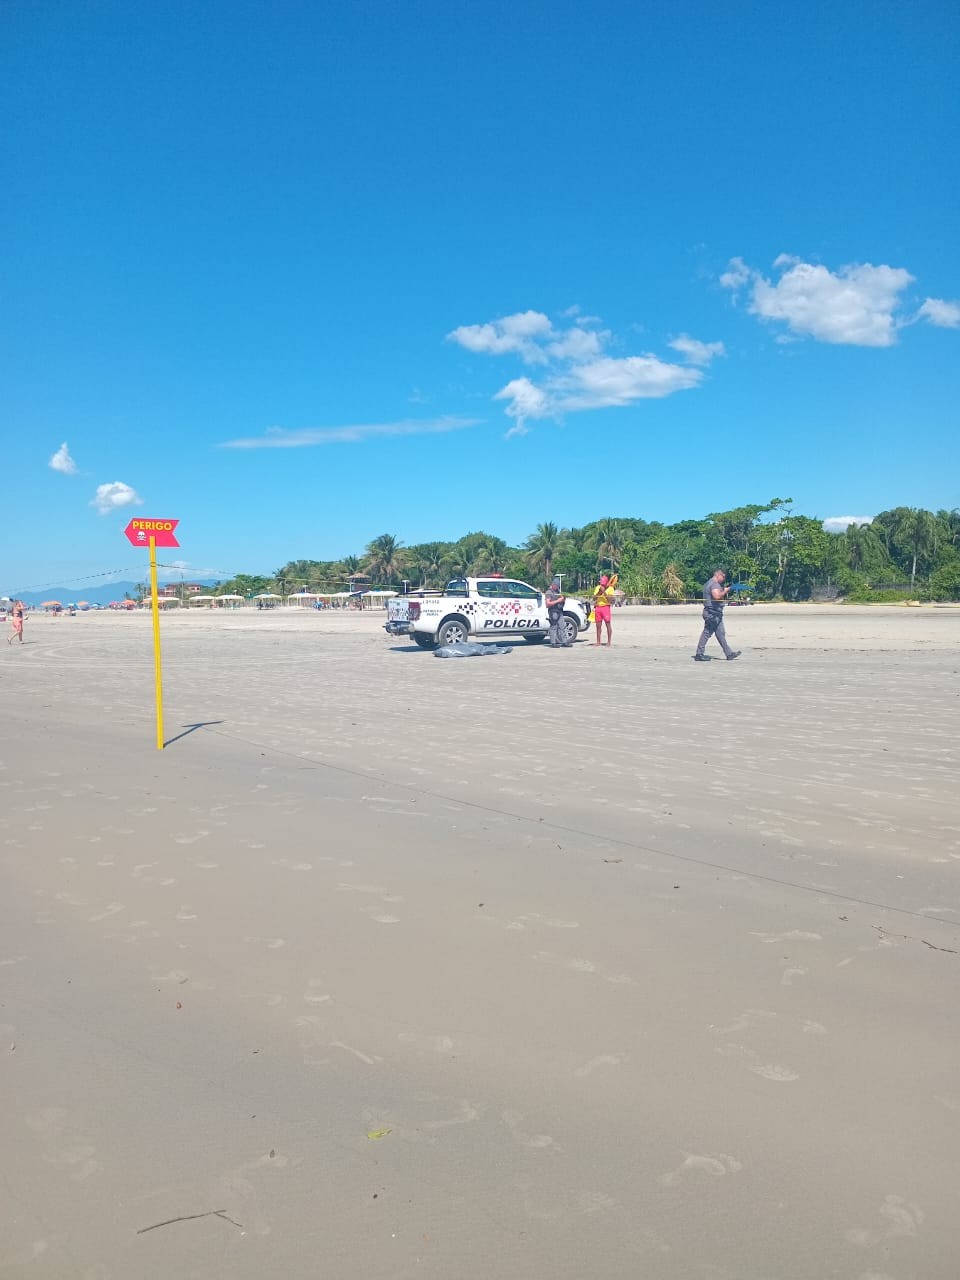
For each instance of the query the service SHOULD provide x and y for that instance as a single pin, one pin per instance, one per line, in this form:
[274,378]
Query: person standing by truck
[555,600]
[603,596]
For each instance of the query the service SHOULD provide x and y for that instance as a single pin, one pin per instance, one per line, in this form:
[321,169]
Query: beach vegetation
[779,553]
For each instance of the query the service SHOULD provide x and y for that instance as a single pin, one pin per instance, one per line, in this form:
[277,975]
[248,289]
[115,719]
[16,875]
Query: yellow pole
[155,605]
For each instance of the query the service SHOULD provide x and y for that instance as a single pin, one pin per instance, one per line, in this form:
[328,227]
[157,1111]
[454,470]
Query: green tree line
[904,553]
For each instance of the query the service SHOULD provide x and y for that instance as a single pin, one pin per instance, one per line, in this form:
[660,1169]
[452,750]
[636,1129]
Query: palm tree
[385,561]
[541,548]
[859,540]
[672,583]
[430,559]
[610,543]
[915,530]
[947,527]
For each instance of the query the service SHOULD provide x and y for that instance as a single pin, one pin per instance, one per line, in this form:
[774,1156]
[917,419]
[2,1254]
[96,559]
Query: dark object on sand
[469,650]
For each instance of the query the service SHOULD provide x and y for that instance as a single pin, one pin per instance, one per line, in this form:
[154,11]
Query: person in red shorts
[603,596]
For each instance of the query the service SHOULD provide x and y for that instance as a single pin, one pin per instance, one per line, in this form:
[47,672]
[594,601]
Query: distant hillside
[102,594]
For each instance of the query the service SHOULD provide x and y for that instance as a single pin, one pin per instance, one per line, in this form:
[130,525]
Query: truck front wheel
[571,627]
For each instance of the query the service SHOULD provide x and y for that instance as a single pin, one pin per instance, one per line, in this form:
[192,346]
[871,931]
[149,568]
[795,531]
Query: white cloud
[697,352]
[279,438]
[62,462]
[598,384]
[945,315]
[856,305]
[111,497]
[517,333]
[578,375]
[577,344]
[608,382]
[840,524]
[524,400]
[736,275]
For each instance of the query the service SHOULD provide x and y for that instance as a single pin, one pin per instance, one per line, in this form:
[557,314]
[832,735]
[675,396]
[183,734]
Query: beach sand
[571,965]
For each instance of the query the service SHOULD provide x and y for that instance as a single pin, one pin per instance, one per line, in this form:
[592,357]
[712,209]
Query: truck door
[527,610]
[491,617]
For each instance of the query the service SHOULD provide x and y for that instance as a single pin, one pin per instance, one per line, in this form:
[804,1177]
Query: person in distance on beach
[714,598]
[16,621]
[554,599]
[603,596]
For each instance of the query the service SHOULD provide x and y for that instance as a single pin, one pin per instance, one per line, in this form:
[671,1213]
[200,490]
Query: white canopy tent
[302,600]
[336,599]
[229,601]
[374,599]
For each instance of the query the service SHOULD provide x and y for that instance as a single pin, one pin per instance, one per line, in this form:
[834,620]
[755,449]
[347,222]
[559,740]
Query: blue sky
[440,266]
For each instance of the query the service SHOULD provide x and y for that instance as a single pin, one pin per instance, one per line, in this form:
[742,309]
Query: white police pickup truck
[490,606]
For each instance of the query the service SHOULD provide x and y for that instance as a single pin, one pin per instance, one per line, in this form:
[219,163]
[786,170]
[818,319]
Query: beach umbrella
[741,586]
[50,604]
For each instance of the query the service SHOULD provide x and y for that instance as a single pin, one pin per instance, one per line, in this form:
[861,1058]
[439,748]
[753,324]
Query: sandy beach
[575,965]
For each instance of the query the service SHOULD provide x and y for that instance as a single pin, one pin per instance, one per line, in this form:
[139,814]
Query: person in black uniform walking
[714,598]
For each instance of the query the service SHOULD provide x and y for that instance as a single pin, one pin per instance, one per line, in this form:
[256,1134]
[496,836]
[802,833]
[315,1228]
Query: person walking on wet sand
[554,600]
[602,602]
[16,621]
[714,598]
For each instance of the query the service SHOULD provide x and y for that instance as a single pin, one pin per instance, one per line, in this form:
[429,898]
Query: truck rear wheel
[454,631]
[425,642]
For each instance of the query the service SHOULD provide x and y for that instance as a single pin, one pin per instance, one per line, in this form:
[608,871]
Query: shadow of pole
[191,728]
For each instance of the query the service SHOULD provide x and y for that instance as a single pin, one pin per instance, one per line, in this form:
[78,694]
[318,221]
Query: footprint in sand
[788,975]
[603,1060]
[751,1060]
[111,910]
[538,1141]
[749,1018]
[899,1220]
[714,1166]
[793,935]
[466,1114]
[63,1146]
[315,993]
[380,917]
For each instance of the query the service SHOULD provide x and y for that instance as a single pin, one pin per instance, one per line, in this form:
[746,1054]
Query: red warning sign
[162,531]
